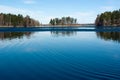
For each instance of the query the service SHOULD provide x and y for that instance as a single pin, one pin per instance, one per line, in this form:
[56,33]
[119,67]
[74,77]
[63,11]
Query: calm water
[59,55]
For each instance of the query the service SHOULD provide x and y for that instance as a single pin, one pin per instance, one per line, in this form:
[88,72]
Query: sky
[43,10]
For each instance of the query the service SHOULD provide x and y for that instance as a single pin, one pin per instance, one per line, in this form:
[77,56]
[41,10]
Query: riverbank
[19,26]
[48,25]
[70,25]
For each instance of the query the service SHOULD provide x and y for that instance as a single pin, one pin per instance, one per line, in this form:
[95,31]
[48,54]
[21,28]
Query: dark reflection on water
[63,33]
[114,36]
[14,35]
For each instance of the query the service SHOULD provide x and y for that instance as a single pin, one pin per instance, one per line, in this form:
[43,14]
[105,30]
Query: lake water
[58,55]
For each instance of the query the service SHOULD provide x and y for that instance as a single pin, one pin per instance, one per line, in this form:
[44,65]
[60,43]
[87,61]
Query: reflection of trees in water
[115,36]
[63,33]
[13,35]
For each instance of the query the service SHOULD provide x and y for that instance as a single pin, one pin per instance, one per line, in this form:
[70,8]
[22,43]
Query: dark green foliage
[17,20]
[63,21]
[108,19]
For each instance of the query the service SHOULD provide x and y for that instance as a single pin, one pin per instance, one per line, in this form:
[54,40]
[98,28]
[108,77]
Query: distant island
[64,21]
[11,20]
[108,19]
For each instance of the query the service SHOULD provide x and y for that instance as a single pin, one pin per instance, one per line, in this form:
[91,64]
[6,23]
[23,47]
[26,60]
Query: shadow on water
[63,33]
[106,33]
[114,36]
[107,36]
[14,35]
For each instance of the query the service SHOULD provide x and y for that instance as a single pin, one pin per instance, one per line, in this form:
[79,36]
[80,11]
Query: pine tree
[108,19]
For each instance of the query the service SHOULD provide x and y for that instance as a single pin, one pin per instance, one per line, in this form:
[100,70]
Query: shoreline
[61,26]
[70,25]
[47,25]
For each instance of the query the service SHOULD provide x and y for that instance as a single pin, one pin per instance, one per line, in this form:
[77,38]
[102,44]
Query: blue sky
[43,10]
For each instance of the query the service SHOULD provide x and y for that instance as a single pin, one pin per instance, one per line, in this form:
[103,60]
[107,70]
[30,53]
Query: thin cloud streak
[29,2]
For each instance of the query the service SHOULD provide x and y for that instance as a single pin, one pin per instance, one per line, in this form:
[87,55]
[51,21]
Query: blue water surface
[60,55]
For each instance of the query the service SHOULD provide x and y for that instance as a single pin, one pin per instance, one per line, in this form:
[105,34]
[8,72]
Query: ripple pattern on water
[51,58]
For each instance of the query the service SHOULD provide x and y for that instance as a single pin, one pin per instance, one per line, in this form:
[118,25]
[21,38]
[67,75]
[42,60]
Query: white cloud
[83,17]
[29,1]
[37,15]
[33,14]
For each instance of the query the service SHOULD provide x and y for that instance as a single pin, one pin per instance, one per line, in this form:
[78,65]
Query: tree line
[63,21]
[108,19]
[17,20]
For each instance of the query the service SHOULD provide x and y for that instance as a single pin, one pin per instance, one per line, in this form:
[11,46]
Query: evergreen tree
[17,20]
[63,21]
[108,19]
